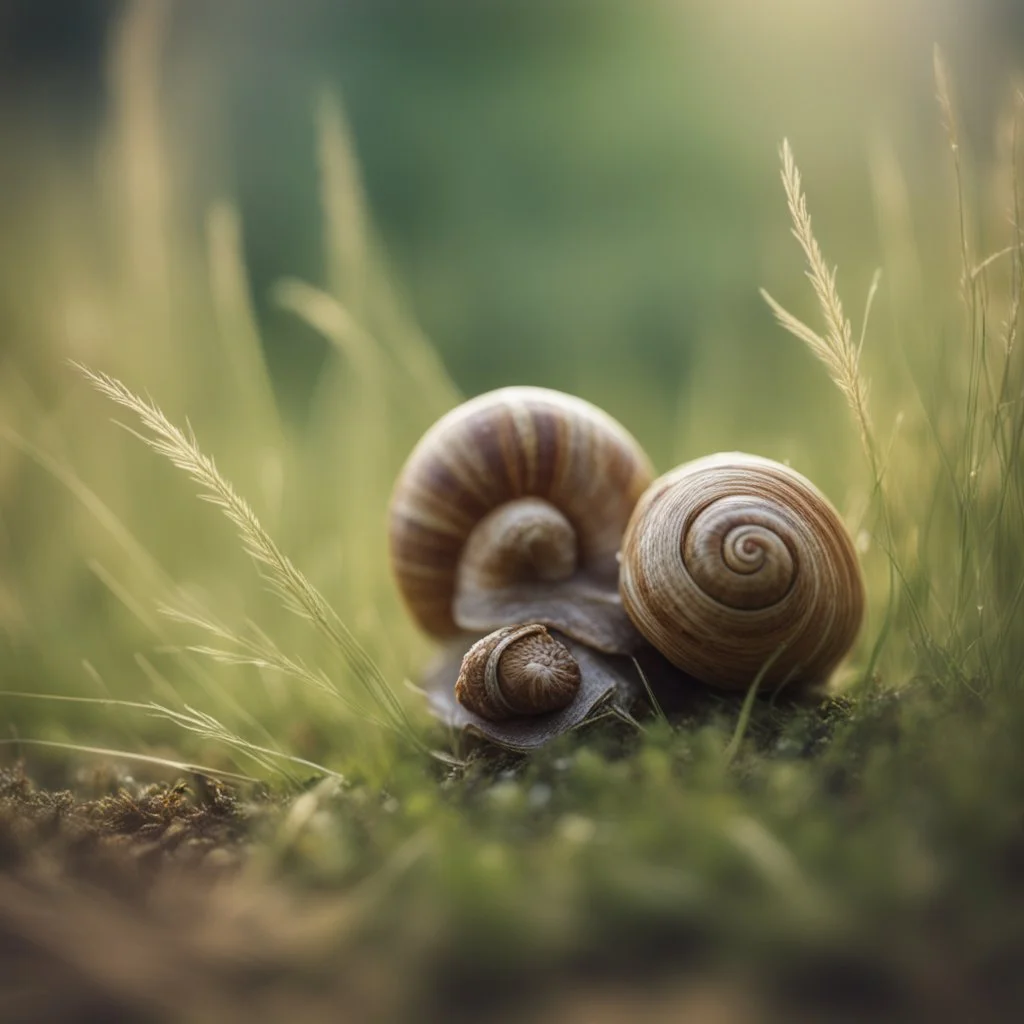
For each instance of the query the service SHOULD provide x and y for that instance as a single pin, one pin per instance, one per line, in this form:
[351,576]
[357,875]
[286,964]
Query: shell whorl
[733,563]
[511,444]
[517,671]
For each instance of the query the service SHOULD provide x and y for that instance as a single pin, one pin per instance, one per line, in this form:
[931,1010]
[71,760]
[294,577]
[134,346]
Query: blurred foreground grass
[866,854]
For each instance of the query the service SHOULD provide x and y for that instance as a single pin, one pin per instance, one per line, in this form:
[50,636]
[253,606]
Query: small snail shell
[606,681]
[511,509]
[733,563]
[516,671]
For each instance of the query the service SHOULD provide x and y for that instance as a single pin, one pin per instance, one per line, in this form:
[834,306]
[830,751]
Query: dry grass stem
[836,347]
[296,592]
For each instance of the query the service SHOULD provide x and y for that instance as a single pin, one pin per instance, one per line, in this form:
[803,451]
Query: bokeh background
[578,195]
[573,193]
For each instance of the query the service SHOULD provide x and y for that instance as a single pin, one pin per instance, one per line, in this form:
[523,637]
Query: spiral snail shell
[511,510]
[518,670]
[735,565]
[531,516]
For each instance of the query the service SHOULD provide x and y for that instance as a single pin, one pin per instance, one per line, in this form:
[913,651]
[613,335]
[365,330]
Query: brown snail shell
[735,565]
[609,685]
[511,509]
[517,671]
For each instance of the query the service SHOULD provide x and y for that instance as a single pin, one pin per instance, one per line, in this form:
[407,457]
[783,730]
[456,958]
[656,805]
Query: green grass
[866,849]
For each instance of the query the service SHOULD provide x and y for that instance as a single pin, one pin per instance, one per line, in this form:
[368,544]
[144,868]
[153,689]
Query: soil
[133,902]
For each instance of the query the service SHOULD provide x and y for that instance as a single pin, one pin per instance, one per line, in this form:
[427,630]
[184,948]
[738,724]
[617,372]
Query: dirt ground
[153,903]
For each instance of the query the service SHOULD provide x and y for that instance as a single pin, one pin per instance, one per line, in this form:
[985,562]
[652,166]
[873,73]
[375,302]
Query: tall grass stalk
[128,755]
[138,556]
[841,356]
[292,587]
[257,650]
[986,476]
[357,273]
[237,324]
[836,347]
[971,477]
[270,759]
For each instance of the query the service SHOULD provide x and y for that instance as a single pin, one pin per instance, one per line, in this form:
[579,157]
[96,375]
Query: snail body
[511,509]
[736,567]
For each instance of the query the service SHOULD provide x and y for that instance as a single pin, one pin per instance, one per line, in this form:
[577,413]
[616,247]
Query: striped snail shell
[735,566]
[605,681]
[511,510]
[517,671]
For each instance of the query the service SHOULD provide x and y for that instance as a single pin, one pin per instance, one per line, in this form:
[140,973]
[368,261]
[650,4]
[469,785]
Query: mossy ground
[840,863]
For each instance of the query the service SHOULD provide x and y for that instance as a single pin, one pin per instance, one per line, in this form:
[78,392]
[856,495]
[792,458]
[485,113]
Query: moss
[859,857]
[186,820]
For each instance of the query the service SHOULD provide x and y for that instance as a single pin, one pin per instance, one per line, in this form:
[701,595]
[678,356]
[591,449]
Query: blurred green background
[581,194]
[578,195]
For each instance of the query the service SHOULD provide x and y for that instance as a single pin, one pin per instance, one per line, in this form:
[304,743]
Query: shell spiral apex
[734,565]
[511,509]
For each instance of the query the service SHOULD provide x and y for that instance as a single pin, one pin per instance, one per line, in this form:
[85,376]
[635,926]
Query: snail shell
[734,565]
[511,509]
[606,681]
[516,671]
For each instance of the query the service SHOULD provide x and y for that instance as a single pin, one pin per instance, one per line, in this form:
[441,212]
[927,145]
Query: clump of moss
[196,820]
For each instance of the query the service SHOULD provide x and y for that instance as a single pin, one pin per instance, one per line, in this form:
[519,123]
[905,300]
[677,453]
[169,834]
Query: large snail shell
[734,565]
[511,509]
